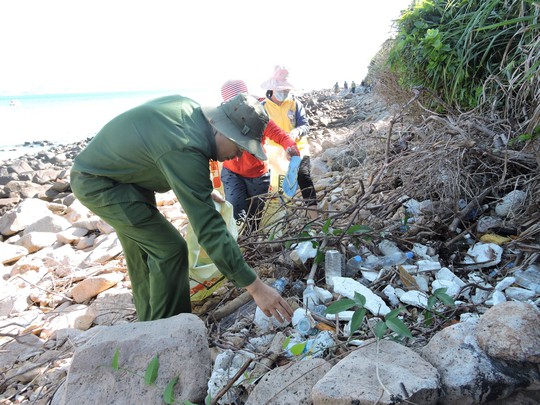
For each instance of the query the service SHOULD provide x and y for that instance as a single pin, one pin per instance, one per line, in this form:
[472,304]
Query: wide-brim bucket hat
[279,80]
[243,120]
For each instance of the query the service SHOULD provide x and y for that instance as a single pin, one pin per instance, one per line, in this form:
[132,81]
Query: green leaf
[336,232]
[393,313]
[428,318]
[340,306]
[151,371]
[326,226]
[286,343]
[115,359]
[431,301]
[446,299]
[399,327]
[380,329]
[298,348]
[357,319]
[358,229]
[168,394]
[359,299]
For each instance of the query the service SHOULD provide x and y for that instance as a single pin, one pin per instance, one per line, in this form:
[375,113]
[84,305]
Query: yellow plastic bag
[274,211]
[204,276]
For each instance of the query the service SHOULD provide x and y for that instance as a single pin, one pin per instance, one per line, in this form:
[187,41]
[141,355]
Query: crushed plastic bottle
[385,262]
[354,266]
[310,298]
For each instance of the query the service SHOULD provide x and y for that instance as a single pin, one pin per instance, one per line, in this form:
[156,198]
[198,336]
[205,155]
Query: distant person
[289,114]
[245,178]
[353,87]
[166,144]
[345,86]
[336,88]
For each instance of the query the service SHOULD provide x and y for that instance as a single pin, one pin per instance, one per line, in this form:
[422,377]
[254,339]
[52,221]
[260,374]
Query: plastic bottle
[332,266]
[280,284]
[528,278]
[353,266]
[385,262]
[303,322]
[310,296]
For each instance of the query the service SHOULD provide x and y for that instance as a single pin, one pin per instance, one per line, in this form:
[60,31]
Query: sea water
[61,119]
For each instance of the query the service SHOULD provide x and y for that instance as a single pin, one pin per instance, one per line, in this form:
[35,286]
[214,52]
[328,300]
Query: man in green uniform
[166,144]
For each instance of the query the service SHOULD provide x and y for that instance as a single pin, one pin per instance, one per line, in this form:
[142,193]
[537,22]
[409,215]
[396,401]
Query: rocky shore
[68,331]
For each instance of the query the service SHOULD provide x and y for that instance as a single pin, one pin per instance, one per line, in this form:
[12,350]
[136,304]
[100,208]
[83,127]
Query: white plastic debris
[347,287]
[511,202]
[390,292]
[497,298]
[519,294]
[422,282]
[415,298]
[483,255]
[324,295]
[342,316]
[505,283]
[305,250]
[452,289]
[265,323]
[428,265]
[446,274]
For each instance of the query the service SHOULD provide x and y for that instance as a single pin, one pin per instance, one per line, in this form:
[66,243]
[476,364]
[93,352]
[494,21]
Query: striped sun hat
[231,88]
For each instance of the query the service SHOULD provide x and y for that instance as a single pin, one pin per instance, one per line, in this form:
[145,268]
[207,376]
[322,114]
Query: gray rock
[178,342]
[290,384]
[354,379]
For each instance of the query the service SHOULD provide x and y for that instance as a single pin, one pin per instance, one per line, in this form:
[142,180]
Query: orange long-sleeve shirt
[248,165]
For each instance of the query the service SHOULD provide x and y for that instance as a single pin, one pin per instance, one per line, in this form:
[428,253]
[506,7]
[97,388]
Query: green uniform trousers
[156,257]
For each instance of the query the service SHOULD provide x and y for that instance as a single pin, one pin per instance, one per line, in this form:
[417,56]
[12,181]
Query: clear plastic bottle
[353,266]
[529,278]
[280,284]
[385,262]
[332,266]
[310,298]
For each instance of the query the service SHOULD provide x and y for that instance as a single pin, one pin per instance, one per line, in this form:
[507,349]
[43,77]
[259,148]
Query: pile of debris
[456,322]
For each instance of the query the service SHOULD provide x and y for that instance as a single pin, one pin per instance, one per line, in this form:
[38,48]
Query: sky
[58,46]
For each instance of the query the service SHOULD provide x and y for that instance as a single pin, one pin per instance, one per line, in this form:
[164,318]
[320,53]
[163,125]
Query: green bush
[472,51]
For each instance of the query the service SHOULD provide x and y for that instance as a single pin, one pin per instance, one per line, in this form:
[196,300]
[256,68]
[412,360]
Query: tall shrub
[473,53]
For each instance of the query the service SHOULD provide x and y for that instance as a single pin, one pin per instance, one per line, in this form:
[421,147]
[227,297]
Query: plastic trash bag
[204,276]
[290,182]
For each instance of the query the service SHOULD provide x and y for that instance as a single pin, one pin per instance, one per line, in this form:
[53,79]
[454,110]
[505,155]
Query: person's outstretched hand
[270,301]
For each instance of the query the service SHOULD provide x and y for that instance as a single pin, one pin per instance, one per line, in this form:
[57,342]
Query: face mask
[281,95]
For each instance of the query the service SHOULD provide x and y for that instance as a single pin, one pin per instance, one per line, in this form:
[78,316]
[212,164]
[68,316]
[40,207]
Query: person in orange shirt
[246,178]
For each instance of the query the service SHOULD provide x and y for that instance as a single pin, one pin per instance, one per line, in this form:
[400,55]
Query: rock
[93,380]
[468,374]
[290,384]
[355,379]
[11,253]
[509,331]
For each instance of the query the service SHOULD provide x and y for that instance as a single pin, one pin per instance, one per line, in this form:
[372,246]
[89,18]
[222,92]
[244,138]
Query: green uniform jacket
[164,144]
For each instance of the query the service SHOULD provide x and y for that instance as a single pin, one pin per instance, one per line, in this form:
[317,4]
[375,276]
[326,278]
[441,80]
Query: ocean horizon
[31,123]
